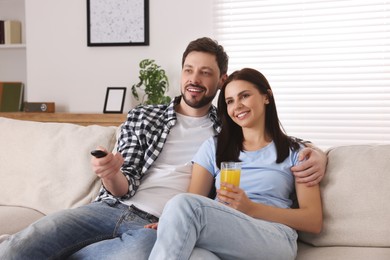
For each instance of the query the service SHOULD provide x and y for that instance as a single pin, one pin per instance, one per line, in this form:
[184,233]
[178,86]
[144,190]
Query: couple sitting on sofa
[142,177]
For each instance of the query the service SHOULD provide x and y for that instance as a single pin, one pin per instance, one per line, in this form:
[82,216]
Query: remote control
[98,153]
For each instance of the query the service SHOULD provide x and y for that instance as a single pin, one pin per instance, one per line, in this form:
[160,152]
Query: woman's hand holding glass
[234,197]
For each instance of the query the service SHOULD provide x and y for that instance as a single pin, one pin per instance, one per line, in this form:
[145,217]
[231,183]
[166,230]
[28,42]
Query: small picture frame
[117,22]
[115,100]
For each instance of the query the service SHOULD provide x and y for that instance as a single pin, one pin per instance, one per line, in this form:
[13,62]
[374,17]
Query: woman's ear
[268,96]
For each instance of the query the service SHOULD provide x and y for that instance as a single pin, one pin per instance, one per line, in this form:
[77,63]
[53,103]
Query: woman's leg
[63,233]
[190,220]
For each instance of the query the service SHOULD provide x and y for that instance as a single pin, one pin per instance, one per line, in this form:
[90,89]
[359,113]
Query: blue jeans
[100,230]
[226,232]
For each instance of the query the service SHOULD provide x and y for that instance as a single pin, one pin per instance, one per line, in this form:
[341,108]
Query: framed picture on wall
[115,99]
[117,22]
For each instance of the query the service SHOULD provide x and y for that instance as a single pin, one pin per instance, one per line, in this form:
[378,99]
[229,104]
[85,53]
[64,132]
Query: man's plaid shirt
[142,139]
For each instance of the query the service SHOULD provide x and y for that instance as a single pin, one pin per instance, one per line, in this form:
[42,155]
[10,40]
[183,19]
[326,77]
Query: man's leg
[133,242]
[61,234]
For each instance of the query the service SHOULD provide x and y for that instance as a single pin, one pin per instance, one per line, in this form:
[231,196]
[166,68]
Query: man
[153,163]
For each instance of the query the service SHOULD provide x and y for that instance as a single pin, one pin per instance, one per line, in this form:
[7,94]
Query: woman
[255,220]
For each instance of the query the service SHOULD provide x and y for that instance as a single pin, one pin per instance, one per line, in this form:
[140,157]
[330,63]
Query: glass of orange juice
[230,173]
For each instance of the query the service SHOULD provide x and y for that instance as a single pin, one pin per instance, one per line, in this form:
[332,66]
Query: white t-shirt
[170,174]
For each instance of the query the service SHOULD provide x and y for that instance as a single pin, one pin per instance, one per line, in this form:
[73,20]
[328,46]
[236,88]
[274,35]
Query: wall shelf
[13,46]
[74,118]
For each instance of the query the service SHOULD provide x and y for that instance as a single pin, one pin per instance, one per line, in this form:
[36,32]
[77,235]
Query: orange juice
[231,176]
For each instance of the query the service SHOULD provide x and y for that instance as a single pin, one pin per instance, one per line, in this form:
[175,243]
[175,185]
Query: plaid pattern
[142,138]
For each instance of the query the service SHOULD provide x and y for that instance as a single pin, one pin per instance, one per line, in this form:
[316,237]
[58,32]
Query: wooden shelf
[74,118]
[13,46]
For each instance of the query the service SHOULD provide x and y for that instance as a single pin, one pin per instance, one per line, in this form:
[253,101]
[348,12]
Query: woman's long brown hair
[230,139]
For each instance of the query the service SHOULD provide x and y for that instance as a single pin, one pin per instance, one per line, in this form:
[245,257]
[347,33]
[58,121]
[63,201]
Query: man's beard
[205,101]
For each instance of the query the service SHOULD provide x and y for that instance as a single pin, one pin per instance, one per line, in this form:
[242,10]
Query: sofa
[45,167]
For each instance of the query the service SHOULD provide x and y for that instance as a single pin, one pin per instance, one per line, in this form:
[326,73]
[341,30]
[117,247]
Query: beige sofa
[45,167]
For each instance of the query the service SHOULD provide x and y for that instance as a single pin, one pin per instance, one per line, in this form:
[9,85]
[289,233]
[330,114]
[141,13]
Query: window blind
[328,63]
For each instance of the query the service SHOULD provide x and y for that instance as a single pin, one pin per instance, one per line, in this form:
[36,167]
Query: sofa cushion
[13,219]
[46,166]
[307,252]
[355,195]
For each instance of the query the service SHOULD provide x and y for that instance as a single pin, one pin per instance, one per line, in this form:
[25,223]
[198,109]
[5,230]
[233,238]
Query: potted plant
[153,83]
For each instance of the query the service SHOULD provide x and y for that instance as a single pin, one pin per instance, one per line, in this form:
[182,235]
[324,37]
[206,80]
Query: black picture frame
[115,100]
[117,22]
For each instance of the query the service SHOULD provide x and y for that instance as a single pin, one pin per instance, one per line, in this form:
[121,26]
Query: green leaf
[153,82]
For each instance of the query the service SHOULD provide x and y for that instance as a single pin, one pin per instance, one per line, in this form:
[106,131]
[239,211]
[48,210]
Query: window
[328,63]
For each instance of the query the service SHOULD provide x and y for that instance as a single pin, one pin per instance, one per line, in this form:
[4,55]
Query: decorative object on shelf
[115,99]
[12,32]
[117,23]
[153,82]
[11,96]
[45,107]
[2,32]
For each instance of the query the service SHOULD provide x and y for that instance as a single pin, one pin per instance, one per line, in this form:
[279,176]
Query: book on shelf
[11,96]
[1,31]
[12,32]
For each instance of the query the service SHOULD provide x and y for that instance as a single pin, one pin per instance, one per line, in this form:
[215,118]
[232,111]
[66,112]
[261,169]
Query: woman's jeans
[102,230]
[191,220]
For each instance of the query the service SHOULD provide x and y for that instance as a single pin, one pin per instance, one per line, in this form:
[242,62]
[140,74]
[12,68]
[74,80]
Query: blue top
[263,180]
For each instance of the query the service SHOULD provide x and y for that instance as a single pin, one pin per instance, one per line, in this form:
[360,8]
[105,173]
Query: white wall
[62,69]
